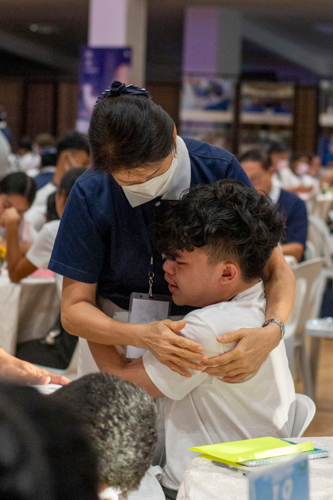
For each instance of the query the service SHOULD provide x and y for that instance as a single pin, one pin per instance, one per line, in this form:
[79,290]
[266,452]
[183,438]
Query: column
[121,23]
[212,41]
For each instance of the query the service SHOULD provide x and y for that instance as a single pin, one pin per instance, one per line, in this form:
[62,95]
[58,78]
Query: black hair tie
[118,88]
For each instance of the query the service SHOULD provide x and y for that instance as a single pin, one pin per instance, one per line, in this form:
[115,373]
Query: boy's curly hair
[229,219]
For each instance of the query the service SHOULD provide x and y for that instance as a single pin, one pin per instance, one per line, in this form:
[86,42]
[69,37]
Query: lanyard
[145,234]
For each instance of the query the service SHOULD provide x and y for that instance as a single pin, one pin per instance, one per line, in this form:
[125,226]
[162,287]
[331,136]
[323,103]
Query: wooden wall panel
[305,126]
[68,96]
[11,98]
[167,95]
[41,103]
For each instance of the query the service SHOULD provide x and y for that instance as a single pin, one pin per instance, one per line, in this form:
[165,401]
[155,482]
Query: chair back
[307,278]
[304,413]
[322,206]
[319,236]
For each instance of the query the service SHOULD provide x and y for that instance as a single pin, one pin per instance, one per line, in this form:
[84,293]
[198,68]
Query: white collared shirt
[203,409]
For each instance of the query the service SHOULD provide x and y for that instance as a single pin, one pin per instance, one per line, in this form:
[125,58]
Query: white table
[203,480]
[27,309]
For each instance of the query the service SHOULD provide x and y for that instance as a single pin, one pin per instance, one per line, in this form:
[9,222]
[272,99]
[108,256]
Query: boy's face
[194,282]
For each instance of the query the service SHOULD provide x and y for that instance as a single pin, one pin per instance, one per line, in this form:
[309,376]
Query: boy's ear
[229,272]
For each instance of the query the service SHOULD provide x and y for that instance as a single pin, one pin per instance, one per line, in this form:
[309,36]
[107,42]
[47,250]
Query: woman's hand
[252,349]
[172,350]
[11,217]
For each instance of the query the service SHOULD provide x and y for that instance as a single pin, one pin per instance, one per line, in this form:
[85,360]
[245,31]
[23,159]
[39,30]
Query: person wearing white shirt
[72,151]
[217,240]
[38,256]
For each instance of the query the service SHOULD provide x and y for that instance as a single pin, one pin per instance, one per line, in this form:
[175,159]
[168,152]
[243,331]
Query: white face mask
[151,189]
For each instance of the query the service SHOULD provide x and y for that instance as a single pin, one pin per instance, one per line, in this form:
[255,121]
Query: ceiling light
[43,29]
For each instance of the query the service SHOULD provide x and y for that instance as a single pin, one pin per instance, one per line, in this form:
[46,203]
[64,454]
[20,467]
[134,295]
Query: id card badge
[145,309]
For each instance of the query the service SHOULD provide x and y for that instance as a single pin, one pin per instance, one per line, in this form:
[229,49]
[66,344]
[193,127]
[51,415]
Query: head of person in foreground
[44,453]
[217,240]
[120,420]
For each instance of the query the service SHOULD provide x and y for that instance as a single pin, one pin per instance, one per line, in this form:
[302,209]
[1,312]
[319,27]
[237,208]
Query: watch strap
[278,322]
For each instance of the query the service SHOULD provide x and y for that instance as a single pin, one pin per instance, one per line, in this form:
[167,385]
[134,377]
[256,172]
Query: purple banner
[98,68]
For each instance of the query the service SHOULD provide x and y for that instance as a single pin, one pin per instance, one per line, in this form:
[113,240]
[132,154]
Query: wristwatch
[278,322]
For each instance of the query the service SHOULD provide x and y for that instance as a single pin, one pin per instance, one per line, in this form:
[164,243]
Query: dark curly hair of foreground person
[230,219]
[120,420]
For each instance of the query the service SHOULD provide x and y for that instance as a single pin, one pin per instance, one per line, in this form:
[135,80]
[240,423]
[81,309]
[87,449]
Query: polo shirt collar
[275,191]
[181,179]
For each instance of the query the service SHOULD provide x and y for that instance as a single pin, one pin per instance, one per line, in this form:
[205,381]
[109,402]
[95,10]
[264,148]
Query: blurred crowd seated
[35,183]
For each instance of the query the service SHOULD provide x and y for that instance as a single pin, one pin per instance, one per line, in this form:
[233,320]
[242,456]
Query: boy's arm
[111,361]
[156,378]
[18,267]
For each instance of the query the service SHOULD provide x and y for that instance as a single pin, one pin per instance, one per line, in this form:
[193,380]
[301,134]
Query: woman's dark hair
[65,451]
[68,180]
[128,132]
[19,183]
[230,219]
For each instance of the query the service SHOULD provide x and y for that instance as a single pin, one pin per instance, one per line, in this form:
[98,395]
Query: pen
[230,467]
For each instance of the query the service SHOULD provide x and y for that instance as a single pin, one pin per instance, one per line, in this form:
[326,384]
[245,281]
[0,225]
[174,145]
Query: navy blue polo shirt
[101,238]
[297,217]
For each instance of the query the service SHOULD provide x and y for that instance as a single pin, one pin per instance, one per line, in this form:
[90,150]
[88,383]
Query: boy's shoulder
[245,309]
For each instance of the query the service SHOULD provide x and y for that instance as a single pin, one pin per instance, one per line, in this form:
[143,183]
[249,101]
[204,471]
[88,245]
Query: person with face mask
[72,151]
[104,250]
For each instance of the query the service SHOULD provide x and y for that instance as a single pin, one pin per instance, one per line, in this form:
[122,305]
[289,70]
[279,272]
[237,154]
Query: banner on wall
[207,109]
[98,68]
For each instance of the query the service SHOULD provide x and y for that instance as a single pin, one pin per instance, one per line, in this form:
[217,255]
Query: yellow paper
[252,449]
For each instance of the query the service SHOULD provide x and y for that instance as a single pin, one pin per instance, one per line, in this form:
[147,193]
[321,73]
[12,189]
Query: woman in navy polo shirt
[103,248]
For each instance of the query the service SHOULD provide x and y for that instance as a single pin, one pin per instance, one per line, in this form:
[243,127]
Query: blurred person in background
[72,151]
[300,164]
[17,192]
[120,420]
[26,160]
[279,154]
[45,454]
[54,350]
[5,152]
[261,172]
[48,161]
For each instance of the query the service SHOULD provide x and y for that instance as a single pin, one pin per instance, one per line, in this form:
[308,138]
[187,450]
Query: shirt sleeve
[297,223]
[236,171]
[39,253]
[79,248]
[170,383]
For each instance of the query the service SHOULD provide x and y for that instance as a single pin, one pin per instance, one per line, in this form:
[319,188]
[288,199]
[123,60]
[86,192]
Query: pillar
[121,23]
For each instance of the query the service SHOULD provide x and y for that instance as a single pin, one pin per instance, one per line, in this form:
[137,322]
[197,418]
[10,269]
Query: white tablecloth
[27,309]
[203,480]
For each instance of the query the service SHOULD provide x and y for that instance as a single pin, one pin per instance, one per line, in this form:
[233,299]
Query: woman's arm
[255,344]
[81,317]
[18,267]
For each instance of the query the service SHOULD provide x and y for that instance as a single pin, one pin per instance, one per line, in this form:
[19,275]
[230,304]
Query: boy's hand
[252,349]
[172,350]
